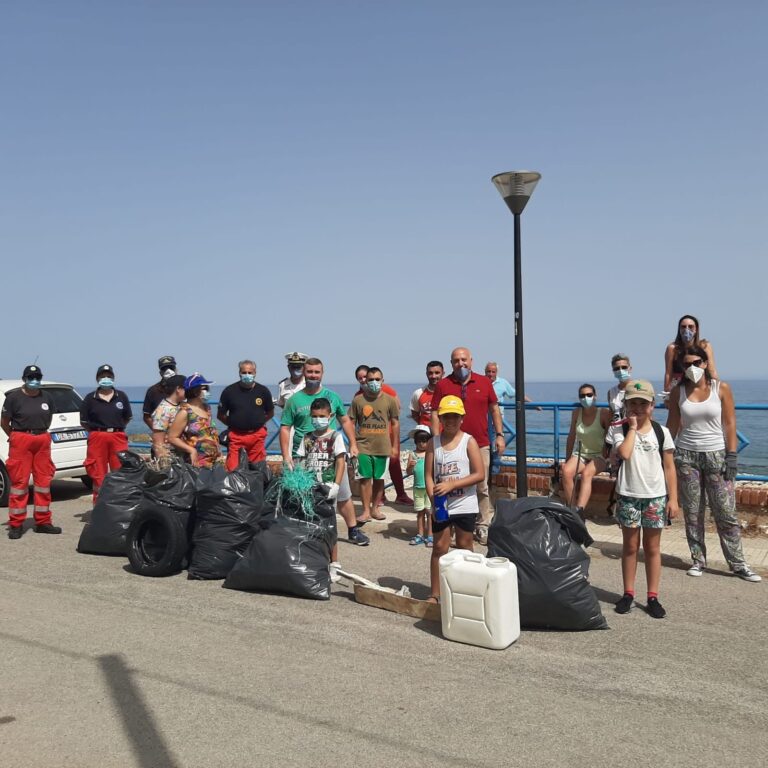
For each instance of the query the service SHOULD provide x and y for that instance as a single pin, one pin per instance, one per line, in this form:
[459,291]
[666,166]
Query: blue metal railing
[557,435]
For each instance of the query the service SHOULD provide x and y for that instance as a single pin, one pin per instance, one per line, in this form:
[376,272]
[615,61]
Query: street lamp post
[516,188]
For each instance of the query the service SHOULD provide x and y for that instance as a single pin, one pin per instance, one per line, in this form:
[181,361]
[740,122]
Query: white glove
[333,491]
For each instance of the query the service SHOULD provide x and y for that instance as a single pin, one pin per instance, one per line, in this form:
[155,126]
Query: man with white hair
[246,407]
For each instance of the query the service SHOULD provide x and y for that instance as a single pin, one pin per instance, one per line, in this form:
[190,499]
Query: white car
[68,438]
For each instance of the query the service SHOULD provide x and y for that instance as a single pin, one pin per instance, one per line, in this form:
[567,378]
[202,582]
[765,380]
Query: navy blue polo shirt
[96,413]
[28,411]
[246,409]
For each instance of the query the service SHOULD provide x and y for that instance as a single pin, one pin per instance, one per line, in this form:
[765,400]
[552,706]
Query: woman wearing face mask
[193,431]
[702,421]
[687,337]
[588,427]
[105,413]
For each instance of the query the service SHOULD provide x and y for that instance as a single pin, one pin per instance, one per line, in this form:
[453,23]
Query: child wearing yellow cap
[453,468]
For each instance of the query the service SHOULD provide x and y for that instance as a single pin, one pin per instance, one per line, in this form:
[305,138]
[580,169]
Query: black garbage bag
[175,487]
[119,498]
[286,555]
[543,539]
[290,554]
[229,505]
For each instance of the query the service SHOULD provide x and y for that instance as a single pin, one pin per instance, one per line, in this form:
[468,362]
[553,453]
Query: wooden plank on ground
[409,606]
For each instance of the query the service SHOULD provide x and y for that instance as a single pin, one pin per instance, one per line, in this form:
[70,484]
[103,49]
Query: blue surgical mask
[205,395]
[320,422]
[106,383]
[462,374]
[687,335]
[33,383]
[622,374]
[373,386]
[311,384]
[247,378]
[587,401]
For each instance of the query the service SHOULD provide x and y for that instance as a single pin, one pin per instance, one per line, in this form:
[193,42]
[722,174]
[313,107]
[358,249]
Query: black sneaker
[655,608]
[356,536]
[15,532]
[47,528]
[623,605]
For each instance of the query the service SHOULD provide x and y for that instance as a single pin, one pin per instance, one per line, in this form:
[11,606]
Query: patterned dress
[202,435]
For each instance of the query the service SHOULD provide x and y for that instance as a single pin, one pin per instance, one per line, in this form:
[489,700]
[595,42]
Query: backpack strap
[656,431]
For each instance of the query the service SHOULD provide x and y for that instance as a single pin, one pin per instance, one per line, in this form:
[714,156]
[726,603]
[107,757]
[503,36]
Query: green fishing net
[292,493]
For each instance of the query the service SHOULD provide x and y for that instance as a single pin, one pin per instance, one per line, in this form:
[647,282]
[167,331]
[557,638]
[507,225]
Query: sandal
[417,539]
[428,541]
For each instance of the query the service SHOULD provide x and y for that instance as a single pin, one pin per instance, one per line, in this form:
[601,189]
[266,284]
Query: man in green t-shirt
[297,418]
[296,422]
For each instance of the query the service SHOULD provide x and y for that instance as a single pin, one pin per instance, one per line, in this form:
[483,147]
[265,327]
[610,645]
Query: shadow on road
[138,722]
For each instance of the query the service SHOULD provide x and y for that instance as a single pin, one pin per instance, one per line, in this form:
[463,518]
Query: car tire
[5,485]
[157,542]
[87,481]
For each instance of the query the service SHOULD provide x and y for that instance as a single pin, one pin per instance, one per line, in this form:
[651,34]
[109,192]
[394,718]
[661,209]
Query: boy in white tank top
[453,468]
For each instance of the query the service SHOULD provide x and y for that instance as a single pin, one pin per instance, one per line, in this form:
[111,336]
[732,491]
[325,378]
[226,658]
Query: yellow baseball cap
[451,404]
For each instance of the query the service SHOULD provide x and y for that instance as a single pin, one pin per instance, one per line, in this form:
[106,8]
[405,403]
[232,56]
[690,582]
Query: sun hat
[451,404]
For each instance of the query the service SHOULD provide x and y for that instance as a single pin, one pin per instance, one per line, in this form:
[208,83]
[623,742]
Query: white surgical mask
[167,373]
[694,373]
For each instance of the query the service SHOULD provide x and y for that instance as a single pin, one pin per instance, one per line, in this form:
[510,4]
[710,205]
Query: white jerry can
[478,599]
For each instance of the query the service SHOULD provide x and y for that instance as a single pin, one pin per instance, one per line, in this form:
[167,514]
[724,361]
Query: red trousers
[102,456]
[253,442]
[29,454]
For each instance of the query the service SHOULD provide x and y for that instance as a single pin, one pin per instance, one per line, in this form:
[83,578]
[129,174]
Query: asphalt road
[101,667]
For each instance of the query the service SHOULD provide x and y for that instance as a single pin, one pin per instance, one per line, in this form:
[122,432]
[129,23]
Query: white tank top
[701,425]
[455,464]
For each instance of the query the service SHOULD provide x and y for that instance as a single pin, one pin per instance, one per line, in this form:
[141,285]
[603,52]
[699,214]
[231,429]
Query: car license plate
[64,437]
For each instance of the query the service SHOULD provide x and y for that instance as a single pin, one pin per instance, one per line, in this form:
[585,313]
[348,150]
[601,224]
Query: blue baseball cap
[196,380]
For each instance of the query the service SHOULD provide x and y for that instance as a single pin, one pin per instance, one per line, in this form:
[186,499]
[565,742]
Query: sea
[751,398]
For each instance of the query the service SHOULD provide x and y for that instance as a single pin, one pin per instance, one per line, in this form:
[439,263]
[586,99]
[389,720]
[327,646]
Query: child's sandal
[418,539]
[428,541]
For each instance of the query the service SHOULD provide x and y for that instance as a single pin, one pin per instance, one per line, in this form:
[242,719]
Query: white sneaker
[744,572]
[334,568]
[697,569]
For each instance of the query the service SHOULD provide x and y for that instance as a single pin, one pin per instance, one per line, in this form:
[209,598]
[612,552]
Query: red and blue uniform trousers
[253,442]
[101,457]
[29,453]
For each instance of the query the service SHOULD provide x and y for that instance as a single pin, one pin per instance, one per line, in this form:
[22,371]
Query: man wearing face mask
[377,418]
[481,406]
[155,394]
[105,413]
[246,407]
[26,416]
[622,369]
[295,379]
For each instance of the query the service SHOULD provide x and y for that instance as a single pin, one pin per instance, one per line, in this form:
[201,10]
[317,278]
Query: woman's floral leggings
[700,479]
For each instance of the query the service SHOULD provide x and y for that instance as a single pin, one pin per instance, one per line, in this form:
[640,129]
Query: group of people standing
[692,460]
[459,424]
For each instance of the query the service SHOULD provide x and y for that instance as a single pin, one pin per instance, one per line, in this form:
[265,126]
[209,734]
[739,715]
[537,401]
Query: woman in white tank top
[453,466]
[702,420]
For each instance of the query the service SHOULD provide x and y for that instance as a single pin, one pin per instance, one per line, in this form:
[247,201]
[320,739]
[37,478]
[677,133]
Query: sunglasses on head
[620,367]
[698,363]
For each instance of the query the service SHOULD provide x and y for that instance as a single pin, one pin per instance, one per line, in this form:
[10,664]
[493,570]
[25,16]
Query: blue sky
[220,180]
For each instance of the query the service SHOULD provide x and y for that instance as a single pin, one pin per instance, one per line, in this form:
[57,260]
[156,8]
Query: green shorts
[372,467]
[420,500]
[641,513]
